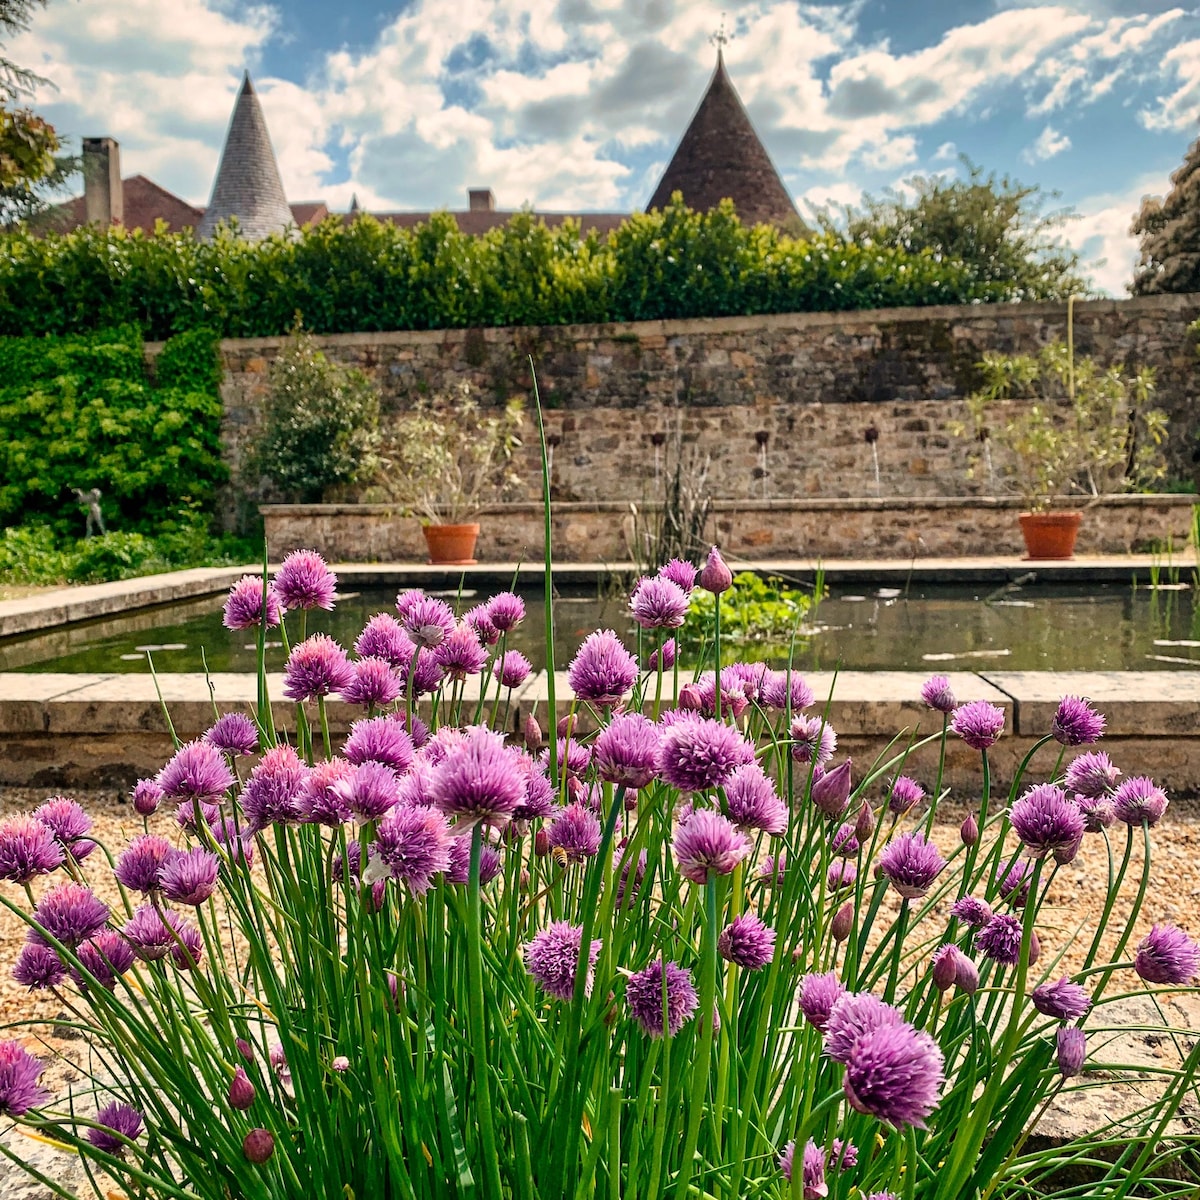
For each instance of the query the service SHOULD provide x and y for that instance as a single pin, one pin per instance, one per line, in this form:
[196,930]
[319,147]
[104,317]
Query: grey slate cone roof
[248,185]
[720,156]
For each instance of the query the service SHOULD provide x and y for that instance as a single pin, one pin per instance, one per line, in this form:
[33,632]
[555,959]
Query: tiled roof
[248,185]
[145,203]
[721,157]
[309,212]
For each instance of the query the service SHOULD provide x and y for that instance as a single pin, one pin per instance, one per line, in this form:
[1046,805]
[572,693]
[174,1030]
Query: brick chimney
[481,200]
[103,196]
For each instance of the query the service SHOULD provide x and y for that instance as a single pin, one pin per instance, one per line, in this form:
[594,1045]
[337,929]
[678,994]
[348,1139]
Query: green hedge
[372,276]
[81,412]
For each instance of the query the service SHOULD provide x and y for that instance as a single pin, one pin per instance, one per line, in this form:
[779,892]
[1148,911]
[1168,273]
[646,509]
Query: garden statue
[91,501]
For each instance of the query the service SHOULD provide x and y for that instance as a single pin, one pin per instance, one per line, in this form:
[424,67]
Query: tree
[1170,234]
[31,167]
[996,225]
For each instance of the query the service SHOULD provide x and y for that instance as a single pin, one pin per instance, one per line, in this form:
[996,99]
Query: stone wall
[768,407]
[607,531]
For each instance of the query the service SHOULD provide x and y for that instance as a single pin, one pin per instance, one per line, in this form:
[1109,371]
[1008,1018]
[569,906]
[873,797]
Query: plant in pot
[1051,426]
[445,460]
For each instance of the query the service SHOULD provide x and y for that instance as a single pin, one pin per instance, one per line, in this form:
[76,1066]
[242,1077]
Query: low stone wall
[810,529]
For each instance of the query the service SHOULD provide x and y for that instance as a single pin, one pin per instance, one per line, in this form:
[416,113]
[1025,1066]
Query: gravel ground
[1077,897]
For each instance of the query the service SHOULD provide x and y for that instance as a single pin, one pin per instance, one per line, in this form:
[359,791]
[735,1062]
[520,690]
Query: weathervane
[720,39]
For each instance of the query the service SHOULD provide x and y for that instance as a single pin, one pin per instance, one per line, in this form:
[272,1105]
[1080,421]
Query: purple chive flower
[154,935]
[812,1169]
[853,1015]
[841,874]
[817,995]
[773,869]
[783,690]
[938,695]
[658,603]
[552,958]
[895,1072]
[65,819]
[382,740]
[844,842]
[192,815]
[602,671]
[715,576]
[316,667]
[627,891]
[697,754]
[480,621]
[190,876]
[426,620]
[236,840]
[905,794]
[506,610]
[321,801]
[490,862]
[106,957]
[479,779]
[1098,812]
[539,796]
[573,757]
[1139,801]
[460,653]
[38,966]
[708,842]
[28,848]
[19,1075]
[512,669]
[911,864]
[1091,774]
[843,1156]
[1071,1048]
[972,912]
[575,832]
[272,793]
[751,801]
[244,605]
[370,791]
[1045,820]
[644,995]
[139,863]
[1064,1000]
[663,658]
[70,913]
[626,750]
[198,773]
[813,741]
[747,942]
[304,581]
[146,797]
[1015,883]
[680,573]
[979,724]
[234,733]
[382,637]
[830,790]
[1167,955]
[1077,723]
[115,1125]
[1000,939]
[414,845]
[374,683]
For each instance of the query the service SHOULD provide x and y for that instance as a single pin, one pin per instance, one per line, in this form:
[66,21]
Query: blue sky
[578,104]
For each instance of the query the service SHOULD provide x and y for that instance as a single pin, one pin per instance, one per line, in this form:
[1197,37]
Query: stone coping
[799,504]
[1143,704]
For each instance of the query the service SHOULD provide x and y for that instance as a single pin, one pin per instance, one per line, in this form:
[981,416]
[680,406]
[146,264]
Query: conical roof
[247,186]
[720,156]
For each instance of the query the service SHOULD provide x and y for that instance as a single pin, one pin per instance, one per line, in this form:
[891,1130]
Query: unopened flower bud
[533,734]
[865,825]
[715,576]
[968,831]
[576,789]
[1072,1050]
[258,1145]
[241,1090]
[565,725]
[631,801]
[831,793]
[523,879]
[689,697]
[541,842]
[1035,948]
[146,797]
[1066,854]
[966,977]
[945,967]
[245,1049]
[843,922]
[340,1064]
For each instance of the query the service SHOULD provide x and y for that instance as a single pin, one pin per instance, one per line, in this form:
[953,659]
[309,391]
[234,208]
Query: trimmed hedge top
[370,276]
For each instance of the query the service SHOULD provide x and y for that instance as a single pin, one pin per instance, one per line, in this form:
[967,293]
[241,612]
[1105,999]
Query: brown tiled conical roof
[247,186]
[720,156]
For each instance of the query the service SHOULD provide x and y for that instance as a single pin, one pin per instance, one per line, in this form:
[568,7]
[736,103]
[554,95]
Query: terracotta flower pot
[451,545]
[1050,534]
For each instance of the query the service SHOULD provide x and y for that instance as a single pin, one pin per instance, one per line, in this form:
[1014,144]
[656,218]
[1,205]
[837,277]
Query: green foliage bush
[81,412]
[368,276]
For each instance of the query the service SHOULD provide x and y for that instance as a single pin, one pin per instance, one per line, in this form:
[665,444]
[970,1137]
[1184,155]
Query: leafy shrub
[320,424]
[81,412]
[368,275]
[759,617]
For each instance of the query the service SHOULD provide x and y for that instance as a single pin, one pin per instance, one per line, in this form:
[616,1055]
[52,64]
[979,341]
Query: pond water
[965,628]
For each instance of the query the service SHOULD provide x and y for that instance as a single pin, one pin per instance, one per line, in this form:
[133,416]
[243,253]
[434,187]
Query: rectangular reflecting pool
[1037,627]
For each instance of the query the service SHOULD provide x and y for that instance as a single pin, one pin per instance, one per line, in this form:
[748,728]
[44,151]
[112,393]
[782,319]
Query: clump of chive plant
[681,950]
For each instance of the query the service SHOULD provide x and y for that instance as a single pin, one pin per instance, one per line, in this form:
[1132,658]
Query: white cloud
[1049,143]
[1101,233]
[1180,108]
[946,152]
